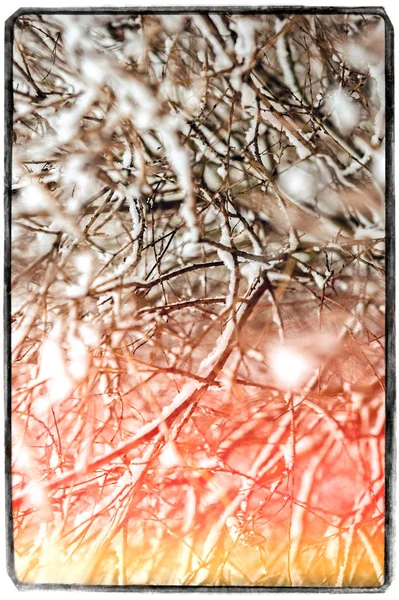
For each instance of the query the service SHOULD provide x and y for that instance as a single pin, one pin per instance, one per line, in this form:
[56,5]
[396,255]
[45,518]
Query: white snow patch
[245,46]
[222,171]
[289,453]
[345,113]
[298,183]
[283,57]
[378,74]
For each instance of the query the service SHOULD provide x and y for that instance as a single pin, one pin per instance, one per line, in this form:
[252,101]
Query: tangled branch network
[198,299]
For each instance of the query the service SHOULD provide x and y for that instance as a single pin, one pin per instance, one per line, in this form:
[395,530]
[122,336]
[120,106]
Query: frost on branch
[198,299]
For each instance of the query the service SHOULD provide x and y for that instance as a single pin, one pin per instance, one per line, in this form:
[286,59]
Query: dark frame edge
[8,111]
[9,22]
[390,353]
[274,9]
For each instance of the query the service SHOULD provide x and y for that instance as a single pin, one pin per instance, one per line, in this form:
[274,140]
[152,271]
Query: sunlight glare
[290,368]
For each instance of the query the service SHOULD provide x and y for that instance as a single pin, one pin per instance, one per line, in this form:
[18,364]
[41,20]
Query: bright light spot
[170,457]
[290,368]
